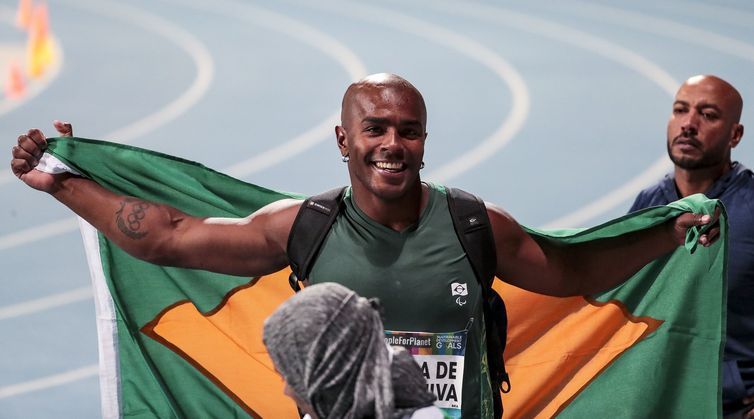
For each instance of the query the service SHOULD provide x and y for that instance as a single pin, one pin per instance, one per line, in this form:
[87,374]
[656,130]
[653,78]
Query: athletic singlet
[427,288]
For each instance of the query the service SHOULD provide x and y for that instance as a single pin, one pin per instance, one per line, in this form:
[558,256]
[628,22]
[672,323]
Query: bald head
[730,100]
[385,85]
[704,126]
[381,136]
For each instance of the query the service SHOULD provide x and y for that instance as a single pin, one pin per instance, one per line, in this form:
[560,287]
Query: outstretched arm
[542,266]
[250,246]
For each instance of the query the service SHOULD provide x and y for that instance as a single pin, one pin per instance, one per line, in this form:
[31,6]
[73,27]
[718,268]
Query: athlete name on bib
[441,357]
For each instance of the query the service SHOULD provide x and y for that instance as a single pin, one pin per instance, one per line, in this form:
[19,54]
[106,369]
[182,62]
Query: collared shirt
[736,191]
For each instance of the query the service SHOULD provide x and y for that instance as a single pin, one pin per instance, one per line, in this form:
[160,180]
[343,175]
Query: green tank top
[427,288]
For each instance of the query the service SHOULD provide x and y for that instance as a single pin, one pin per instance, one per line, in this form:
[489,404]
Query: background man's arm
[541,266]
[251,246]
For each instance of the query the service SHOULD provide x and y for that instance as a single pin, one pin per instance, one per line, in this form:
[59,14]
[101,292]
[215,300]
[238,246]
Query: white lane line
[562,33]
[46,303]
[667,28]
[273,21]
[616,197]
[40,232]
[198,52]
[273,156]
[597,45]
[49,381]
[194,48]
[513,122]
[305,34]
[726,15]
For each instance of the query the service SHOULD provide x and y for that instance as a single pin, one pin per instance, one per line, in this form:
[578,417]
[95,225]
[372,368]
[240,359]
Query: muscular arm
[160,234]
[251,246]
[542,266]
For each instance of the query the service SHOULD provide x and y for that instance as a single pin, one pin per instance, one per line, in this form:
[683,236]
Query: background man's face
[701,129]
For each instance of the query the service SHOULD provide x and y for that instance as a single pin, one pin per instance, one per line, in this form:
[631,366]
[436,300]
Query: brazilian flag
[187,343]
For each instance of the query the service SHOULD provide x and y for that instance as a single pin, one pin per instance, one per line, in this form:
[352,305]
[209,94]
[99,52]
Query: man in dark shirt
[702,130]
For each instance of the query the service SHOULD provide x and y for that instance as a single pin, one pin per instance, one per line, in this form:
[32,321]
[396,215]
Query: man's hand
[26,157]
[685,221]
[65,129]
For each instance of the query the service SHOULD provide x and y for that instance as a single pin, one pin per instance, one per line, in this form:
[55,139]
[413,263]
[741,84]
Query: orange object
[39,25]
[15,84]
[39,55]
[23,15]
[39,50]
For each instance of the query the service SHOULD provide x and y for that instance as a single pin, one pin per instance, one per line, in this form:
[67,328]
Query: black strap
[312,223]
[474,231]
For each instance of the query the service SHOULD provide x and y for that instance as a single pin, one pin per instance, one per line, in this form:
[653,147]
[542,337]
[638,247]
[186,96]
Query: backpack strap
[312,223]
[474,231]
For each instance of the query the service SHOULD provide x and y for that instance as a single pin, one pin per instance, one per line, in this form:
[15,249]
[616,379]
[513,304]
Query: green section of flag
[155,381]
[674,370]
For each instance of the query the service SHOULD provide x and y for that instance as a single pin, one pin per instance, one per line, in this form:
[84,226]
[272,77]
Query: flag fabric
[187,343]
[650,347]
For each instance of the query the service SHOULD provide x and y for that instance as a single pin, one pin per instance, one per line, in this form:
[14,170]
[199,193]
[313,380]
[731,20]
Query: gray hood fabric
[328,343]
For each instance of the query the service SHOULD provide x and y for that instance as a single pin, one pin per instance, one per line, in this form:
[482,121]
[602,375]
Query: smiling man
[382,138]
[703,129]
[393,239]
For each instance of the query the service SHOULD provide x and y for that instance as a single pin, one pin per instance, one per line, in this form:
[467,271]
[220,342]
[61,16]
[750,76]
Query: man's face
[383,134]
[704,125]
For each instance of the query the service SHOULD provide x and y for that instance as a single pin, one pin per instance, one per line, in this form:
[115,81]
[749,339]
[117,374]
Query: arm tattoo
[131,222]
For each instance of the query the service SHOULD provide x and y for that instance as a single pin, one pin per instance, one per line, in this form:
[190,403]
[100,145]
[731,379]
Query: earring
[421,166]
[346,158]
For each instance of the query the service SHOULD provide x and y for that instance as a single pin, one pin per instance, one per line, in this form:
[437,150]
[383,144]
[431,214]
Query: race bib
[441,358]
